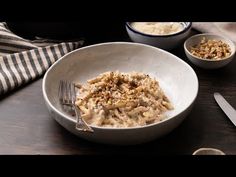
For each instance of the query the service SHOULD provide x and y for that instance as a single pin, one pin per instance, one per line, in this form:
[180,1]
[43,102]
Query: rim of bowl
[118,128]
[188,26]
[209,150]
[211,34]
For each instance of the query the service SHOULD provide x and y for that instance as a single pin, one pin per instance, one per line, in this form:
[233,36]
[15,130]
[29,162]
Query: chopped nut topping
[120,100]
[211,49]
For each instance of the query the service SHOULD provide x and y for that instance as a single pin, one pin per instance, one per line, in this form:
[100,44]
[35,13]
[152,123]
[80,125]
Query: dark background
[92,30]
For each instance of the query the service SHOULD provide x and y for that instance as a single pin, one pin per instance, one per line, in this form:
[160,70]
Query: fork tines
[67,93]
[67,97]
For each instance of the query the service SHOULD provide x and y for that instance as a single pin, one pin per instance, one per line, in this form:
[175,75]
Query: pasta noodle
[115,99]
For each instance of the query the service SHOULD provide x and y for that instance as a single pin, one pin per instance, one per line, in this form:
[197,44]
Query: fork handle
[81,125]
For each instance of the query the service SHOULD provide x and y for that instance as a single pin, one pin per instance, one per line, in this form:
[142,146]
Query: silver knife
[226,107]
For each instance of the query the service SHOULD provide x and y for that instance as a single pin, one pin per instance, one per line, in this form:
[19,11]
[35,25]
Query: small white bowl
[166,42]
[208,63]
[88,62]
[208,151]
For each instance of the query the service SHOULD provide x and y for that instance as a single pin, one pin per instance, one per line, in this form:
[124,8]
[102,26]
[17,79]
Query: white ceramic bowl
[177,79]
[208,151]
[166,42]
[208,63]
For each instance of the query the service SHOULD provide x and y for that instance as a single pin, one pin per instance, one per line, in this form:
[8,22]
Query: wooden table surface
[27,128]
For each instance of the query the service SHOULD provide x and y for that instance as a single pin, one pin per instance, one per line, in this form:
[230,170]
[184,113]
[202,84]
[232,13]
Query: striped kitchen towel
[22,60]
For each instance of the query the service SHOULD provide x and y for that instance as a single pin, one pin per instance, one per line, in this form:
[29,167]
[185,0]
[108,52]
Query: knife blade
[226,107]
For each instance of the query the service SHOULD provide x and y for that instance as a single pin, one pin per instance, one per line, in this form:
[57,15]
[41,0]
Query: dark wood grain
[27,128]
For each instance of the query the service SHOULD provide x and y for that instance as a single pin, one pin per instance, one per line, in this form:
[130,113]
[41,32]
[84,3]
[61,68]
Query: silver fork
[67,97]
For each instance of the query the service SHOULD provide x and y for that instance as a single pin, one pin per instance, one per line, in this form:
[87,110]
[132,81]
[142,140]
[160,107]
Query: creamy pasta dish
[115,99]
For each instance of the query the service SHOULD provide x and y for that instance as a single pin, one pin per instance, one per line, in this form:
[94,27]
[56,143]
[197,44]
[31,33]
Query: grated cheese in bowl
[158,28]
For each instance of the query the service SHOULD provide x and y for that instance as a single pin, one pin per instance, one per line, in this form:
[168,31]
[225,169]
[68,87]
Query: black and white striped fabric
[22,61]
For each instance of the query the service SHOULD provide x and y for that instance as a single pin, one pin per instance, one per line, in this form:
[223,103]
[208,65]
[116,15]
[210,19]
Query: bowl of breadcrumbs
[209,51]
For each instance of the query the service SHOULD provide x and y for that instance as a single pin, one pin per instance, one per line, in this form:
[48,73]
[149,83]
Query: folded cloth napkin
[22,60]
[226,29]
